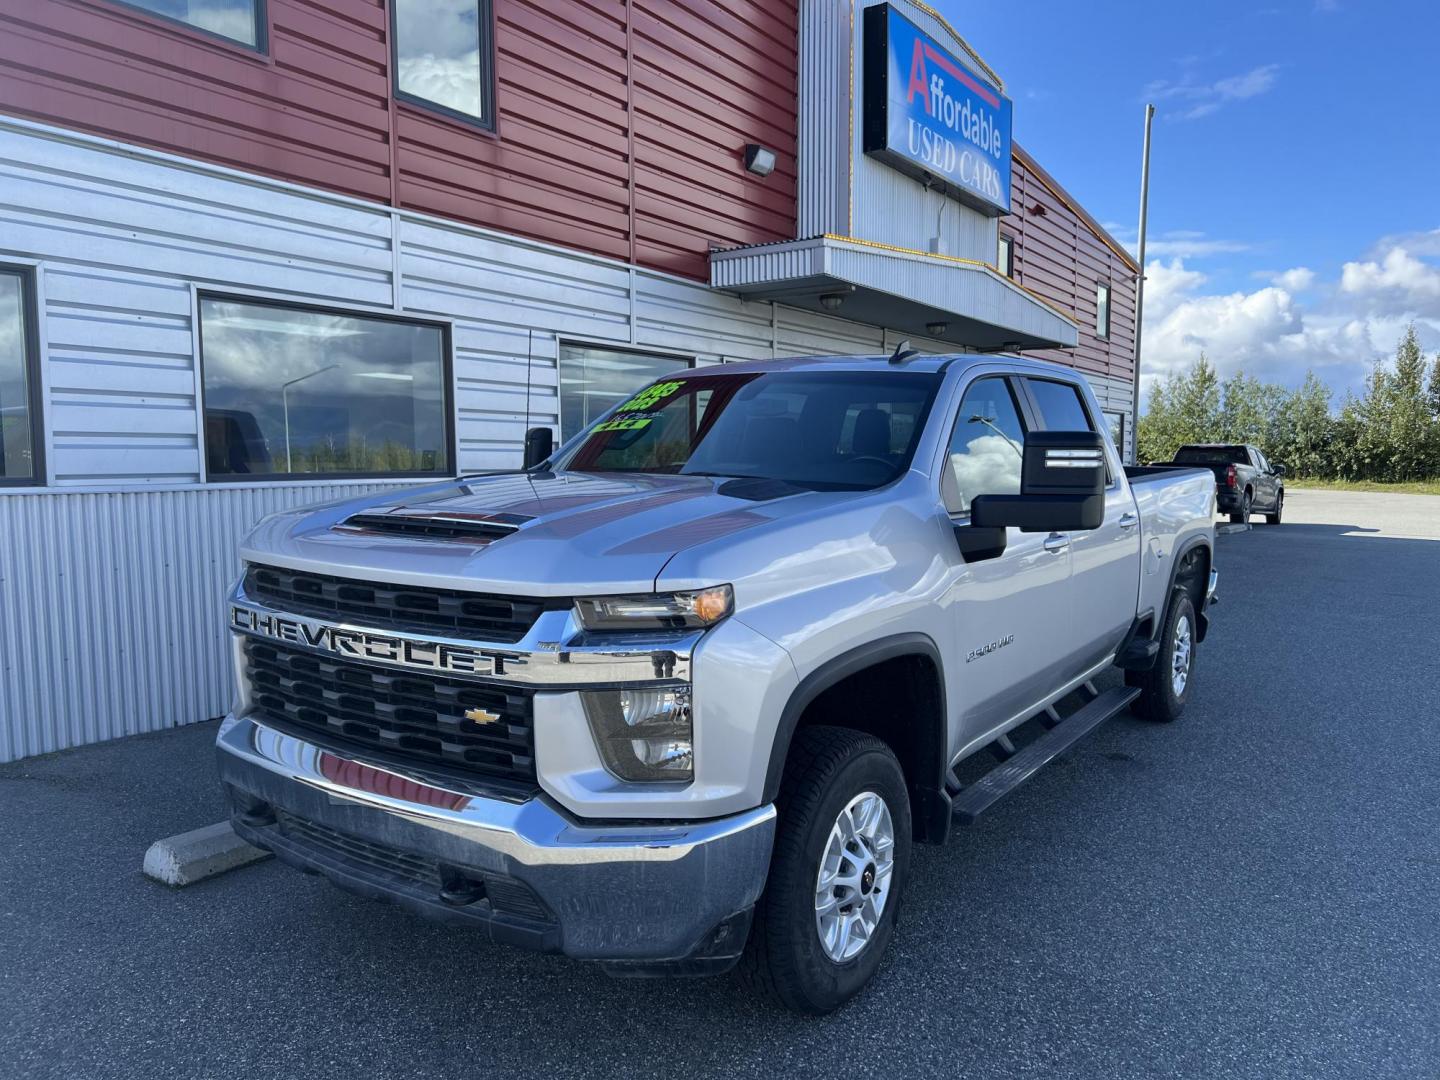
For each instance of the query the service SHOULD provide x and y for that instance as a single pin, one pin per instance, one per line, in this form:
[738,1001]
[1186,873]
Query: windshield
[824,430]
[1209,455]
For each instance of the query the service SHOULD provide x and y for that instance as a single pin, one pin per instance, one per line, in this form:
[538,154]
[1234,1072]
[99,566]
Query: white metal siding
[111,607]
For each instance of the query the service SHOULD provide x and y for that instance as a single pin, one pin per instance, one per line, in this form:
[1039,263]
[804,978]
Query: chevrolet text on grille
[369,645]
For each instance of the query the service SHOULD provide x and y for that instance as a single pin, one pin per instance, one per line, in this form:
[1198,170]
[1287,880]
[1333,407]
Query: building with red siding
[255,253]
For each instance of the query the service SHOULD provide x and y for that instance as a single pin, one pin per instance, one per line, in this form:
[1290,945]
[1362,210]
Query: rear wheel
[1274,519]
[1165,688]
[1242,516]
[842,850]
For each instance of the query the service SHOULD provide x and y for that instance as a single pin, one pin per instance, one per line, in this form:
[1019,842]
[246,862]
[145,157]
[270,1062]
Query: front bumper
[635,895]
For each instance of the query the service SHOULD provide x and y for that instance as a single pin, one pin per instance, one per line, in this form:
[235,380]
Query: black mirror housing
[1278,470]
[539,445]
[1062,487]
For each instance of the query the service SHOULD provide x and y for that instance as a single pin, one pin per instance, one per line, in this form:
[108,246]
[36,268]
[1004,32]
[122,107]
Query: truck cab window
[1060,406]
[986,447]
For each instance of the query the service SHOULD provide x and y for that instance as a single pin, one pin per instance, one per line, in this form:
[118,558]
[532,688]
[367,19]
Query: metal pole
[1140,285]
[285,404]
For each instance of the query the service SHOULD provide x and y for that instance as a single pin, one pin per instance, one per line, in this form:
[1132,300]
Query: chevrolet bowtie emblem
[481,716]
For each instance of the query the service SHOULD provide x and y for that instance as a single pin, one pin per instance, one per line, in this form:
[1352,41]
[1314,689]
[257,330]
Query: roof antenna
[903,352]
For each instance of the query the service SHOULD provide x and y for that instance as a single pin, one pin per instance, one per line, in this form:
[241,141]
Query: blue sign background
[940,117]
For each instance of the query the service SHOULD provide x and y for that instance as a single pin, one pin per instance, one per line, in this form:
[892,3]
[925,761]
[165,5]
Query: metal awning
[897,289]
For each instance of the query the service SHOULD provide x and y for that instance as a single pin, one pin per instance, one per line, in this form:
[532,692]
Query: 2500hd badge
[986,650]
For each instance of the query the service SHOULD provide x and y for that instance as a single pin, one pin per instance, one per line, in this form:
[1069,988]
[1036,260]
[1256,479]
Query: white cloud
[1192,99]
[1188,247]
[1295,280]
[1266,333]
[1397,282]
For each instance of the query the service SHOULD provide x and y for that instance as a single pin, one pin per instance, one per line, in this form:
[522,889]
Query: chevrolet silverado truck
[683,693]
[1245,480]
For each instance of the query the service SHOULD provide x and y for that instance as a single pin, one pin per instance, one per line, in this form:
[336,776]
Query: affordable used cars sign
[928,115]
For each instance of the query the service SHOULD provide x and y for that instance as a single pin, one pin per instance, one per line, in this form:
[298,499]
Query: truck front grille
[449,612]
[439,722]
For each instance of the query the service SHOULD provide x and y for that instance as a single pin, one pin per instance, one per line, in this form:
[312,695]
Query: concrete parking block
[199,854]
[1225,530]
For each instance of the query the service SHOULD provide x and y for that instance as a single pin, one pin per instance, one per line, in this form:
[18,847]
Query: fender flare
[841,667]
[1179,558]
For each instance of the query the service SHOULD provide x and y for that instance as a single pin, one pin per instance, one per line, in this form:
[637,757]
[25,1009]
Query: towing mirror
[1062,487]
[539,445]
[1278,470]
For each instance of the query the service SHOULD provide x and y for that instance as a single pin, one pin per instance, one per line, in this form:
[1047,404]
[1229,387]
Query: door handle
[1055,543]
[1129,521]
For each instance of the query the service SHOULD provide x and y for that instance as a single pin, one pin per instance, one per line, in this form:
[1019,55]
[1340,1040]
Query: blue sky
[1295,176]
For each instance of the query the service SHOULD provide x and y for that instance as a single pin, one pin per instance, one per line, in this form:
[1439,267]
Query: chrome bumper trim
[632,891]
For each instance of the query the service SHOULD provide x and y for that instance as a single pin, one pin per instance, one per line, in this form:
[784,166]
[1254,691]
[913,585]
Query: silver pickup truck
[684,692]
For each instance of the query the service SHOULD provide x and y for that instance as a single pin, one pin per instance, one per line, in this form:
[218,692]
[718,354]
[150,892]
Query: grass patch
[1410,487]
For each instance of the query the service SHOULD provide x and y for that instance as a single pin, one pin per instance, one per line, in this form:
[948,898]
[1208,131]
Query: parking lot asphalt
[1252,892]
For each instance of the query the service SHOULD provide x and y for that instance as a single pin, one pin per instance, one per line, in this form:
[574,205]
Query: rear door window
[1060,406]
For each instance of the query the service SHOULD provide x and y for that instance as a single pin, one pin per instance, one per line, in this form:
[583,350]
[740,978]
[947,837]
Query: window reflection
[289,391]
[438,53]
[592,380]
[987,447]
[17,448]
[237,20]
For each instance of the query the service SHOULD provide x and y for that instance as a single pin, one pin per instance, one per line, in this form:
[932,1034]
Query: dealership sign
[928,115]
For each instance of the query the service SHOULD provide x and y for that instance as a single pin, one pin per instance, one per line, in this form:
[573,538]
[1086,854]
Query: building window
[19,381]
[292,391]
[1116,420]
[240,21]
[592,380]
[1102,311]
[1005,261]
[444,56]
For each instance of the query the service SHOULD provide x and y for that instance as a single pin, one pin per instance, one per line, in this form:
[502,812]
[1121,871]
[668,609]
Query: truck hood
[557,534]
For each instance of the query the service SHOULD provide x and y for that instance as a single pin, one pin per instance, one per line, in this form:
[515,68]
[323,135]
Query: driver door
[1009,613]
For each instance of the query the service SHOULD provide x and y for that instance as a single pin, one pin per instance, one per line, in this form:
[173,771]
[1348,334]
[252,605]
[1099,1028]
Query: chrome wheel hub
[1180,658]
[853,885]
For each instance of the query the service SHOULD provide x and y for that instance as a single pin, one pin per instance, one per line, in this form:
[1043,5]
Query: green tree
[1304,430]
[1432,394]
[1407,435]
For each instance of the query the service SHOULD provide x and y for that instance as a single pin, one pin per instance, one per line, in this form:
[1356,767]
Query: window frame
[485,19]
[1102,331]
[261,48]
[1019,398]
[1006,244]
[447,382]
[34,391]
[562,436]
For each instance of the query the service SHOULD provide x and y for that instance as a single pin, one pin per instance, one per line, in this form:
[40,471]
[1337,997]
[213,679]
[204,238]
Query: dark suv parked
[1244,480]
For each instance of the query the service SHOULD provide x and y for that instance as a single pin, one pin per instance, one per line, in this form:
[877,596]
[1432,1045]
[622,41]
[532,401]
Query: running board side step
[972,801]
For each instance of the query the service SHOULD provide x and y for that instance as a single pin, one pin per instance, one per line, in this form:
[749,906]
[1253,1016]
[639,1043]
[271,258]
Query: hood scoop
[434,524]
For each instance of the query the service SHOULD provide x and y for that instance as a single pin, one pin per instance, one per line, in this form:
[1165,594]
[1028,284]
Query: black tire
[1242,516]
[1274,519]
[1158,700]
[785,960]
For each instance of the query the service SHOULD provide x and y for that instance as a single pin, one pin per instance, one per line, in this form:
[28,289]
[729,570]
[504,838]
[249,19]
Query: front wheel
[842,850]
[1165,688]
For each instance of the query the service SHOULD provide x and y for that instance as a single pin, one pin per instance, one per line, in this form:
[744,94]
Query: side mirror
[539,445]
[1062,487]
[1278,470]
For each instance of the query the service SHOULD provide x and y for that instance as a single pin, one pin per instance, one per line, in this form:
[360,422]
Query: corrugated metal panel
[825,57]
[111,607]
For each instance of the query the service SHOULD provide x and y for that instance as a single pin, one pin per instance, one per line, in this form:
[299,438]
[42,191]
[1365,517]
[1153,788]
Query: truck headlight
[661,611]
[643,735]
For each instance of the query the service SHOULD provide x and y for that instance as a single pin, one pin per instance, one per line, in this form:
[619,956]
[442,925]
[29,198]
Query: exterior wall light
[832,300]
[759,160]
[935,329]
